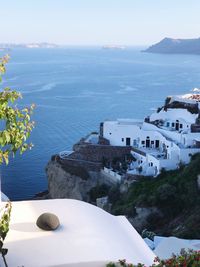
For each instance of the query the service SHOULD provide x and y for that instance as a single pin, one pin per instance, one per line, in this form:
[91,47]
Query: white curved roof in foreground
[88,236]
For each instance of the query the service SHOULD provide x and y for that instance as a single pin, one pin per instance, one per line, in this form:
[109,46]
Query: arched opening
[147,141]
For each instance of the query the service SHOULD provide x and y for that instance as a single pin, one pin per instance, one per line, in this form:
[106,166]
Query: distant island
[7,46]
[176,46]
[120,47]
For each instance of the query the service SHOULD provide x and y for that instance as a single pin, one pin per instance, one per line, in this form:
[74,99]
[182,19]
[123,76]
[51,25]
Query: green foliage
[98,191]
[114,193]
[4,226]
[5,219]
[176,195]
[188,258]
[16,124]
[15,128]
[165,192]
[148,234]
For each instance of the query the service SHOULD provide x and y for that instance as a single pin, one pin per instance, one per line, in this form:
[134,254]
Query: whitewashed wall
[174,114]
[117,133]
[185,154]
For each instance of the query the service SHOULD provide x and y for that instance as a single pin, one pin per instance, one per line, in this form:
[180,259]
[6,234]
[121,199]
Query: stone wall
[74,176]
[79,163]
[96,153]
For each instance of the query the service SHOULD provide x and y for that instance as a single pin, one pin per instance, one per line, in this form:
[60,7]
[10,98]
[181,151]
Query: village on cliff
[165,140]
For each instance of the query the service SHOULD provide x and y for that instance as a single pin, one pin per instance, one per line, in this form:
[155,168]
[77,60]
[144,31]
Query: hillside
[172,199]
[176,46]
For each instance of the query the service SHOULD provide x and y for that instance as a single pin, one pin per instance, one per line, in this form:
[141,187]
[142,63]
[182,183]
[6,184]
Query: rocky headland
[176,46]
[75,175]
[167,205]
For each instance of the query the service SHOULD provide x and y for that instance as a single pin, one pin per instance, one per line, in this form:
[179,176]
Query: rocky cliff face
[74,176]
[63,184]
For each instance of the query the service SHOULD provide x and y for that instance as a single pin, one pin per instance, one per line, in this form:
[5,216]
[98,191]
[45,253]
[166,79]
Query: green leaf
[17,124]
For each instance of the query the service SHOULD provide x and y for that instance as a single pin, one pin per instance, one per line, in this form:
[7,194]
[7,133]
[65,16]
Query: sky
[98,22]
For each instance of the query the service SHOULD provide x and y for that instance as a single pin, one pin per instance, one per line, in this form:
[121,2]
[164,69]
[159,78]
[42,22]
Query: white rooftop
[87,236]
[173,245]
[164,247]
[125,122]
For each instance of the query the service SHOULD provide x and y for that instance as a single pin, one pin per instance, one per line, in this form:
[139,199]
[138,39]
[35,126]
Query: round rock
[48,221]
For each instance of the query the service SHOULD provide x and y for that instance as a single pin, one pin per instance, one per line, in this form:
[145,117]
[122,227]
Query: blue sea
[76,88]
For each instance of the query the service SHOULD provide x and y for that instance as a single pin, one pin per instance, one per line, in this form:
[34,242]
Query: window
[122,139]
[181,125]
[110,133]
[147,137]
[143,142]
[167,124]
[151,164]
[173,124]
[152,142]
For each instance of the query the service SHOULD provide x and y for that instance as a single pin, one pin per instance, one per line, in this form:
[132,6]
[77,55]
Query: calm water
[75,89]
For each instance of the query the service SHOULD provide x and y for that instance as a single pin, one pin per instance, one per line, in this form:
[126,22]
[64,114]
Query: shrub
[166,192]
[114,194]
[98,191]
[148,234]
[188,258]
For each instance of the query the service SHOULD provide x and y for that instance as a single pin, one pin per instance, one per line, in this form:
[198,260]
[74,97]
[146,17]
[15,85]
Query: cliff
[176,46]
[63,183]
[74,176]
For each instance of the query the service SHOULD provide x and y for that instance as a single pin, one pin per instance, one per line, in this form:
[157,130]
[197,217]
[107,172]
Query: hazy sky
[98,22]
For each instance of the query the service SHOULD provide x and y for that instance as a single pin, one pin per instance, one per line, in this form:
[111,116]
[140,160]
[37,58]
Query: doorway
[157,143]
[147,143]
[128,141]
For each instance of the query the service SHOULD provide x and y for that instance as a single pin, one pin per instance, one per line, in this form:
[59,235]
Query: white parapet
[114,176]
[87,236]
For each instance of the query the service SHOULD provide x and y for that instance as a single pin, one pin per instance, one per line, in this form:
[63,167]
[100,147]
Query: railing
[139,151]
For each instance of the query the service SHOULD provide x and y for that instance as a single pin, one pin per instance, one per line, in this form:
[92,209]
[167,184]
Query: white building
[165,139]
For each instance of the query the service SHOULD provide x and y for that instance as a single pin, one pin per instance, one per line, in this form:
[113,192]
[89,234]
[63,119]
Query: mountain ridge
[175,46]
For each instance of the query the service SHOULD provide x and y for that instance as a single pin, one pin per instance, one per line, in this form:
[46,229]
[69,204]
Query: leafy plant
[188,258]
[176,196]
[15,128]
[148,234]
[16,124]
[4,225]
